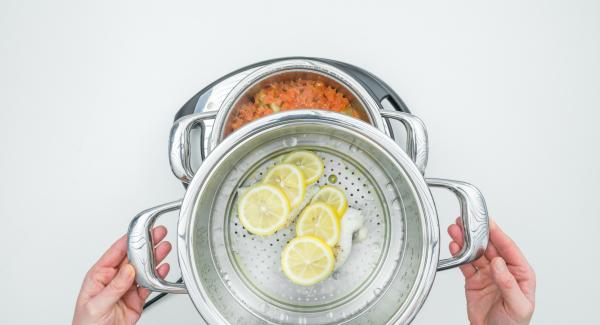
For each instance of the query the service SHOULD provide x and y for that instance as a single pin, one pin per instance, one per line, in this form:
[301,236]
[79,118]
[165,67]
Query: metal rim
[330,71]
[428,216]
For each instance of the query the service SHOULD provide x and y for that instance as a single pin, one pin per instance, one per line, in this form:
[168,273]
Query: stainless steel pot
[233,277]
[214,125]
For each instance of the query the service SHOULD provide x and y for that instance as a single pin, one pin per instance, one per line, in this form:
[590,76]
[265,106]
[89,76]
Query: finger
[115,289]
[517,263]
[459,222]
[505,246]
[158,233]
[135,297]
[161,251]
[115,255]
[490,251]
[95,281]
[514,298]
[467,270]
[162,272]
[132,299]
[456,233]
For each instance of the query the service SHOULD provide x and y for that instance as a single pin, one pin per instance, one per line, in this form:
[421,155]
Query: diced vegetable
[293,94]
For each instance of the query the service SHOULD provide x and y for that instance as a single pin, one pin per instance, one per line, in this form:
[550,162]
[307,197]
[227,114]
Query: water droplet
[377,291]
[290,142]
[332,179]
[330,315]
[396,204]
[353,148]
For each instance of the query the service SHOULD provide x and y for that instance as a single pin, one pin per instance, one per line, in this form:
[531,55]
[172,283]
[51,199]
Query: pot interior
[249,94]
[239,273]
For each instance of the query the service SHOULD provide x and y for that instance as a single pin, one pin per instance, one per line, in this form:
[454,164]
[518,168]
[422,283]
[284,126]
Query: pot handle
[179,144]
[141,253]
[475,221]
[416,137]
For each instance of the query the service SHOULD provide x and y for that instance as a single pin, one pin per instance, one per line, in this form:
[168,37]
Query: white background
[509,90]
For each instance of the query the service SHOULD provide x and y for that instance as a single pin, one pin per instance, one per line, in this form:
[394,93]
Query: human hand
[109,294]
[500,285]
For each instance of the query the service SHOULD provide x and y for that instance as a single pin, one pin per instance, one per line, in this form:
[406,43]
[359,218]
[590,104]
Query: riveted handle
[475,221]
[416,137]
[179,144]
[140,250]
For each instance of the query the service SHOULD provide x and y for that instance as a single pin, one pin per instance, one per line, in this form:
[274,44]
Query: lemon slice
[334,197]
[263,209]
[290,179]
[307,260]
[310,164]
[321,220]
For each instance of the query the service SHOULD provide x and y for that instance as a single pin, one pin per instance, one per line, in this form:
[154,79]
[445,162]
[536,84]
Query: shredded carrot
[289,95]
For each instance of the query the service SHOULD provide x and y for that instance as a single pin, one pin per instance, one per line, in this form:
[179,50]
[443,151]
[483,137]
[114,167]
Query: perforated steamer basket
[234,277]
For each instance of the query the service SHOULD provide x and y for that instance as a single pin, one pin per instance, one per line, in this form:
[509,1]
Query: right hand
[500,285]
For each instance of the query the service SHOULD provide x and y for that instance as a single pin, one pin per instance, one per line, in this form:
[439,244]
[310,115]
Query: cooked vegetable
[289,95]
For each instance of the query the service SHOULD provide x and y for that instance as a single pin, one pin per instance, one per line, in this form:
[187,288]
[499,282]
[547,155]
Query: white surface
[509,91]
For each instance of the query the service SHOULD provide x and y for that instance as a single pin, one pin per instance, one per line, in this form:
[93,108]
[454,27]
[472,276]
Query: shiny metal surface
[366,185]
[179,143]
[417,146]
[197,196]
[411,251]
[224,96]
[280,70]
[286,71]
[180,149]
[473,212]
[140,250]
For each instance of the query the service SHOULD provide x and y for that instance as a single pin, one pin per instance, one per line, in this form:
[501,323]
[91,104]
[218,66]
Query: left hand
[109,294]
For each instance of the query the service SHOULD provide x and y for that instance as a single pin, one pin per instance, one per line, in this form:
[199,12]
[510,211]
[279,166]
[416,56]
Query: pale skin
[109,294]
[500,285]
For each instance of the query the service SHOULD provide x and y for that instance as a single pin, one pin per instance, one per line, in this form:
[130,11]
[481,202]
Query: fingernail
[127,271]
[499,265]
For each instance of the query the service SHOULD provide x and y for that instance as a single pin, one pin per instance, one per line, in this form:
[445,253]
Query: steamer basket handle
[141,253]
[416,137]
[475,221]
[179,144]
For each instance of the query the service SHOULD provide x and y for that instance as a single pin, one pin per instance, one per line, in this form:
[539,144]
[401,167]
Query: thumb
[119,285]
[513,297]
